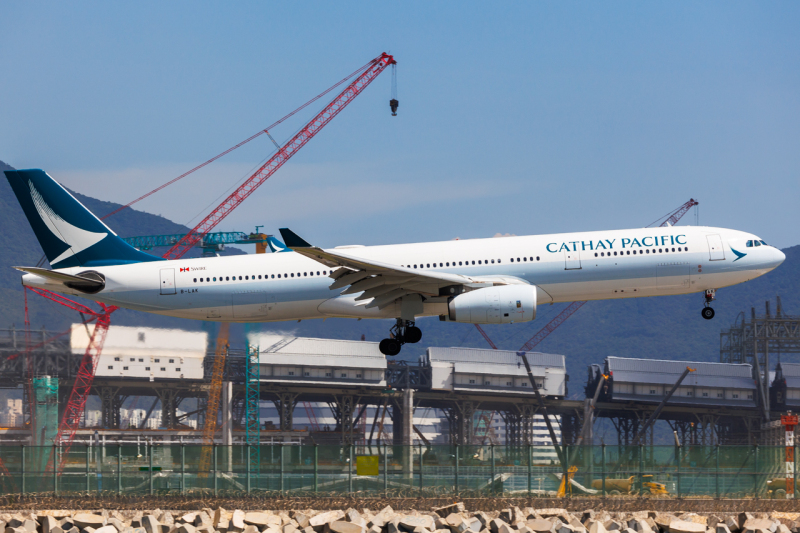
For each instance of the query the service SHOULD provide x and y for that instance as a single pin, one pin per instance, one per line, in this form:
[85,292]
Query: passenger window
[428,265]
[473,262]
[247,277]
[305,274]
[317,272]
[195,280]
[532,259]
[292,274]
[440,264]
[479,261]
[629,252]
[459,263]
[279,276]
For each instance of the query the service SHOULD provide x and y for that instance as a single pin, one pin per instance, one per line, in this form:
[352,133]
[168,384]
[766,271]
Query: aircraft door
[715,250]
[167,280]
[572,260]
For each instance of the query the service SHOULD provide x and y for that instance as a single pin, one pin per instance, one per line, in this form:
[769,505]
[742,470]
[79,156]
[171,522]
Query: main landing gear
[708,311]
[402,332]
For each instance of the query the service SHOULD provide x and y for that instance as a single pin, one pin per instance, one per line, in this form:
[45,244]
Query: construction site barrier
[418,470]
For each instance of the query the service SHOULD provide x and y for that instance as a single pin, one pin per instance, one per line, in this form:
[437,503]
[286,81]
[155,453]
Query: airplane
[476,281]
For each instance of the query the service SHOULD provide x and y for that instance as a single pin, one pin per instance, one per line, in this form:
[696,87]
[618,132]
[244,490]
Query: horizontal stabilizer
[83,283]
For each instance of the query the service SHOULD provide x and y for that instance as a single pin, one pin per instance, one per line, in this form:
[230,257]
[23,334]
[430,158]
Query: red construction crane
[269,168]
[671,219]
[77,402]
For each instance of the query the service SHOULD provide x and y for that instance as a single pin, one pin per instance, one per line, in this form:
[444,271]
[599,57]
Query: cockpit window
[749,244]
[757,243]
[762,242]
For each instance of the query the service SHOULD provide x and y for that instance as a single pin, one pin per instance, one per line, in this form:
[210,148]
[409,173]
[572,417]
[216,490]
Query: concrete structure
[649,380]
[499,371]
[146,353]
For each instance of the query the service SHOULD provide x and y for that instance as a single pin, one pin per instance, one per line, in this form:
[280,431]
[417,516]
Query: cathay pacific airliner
[477,281]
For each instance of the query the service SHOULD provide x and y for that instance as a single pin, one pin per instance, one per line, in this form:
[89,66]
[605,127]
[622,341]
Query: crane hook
[394,103]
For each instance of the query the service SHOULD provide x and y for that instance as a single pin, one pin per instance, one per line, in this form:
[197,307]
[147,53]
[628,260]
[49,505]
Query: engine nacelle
[503,304]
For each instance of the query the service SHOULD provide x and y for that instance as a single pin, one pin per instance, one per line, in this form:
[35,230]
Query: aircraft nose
[780,257]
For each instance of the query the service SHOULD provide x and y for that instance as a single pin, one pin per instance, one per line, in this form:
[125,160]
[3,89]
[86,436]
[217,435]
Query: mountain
[20,247]
[667,327]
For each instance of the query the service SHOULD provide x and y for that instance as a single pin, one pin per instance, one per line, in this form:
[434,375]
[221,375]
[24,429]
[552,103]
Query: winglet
[275,245]
[292,240]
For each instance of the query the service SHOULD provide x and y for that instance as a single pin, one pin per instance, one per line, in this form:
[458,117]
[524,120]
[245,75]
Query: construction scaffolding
[761,341]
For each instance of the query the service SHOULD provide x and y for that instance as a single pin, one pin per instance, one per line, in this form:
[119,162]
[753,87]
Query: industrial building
[154,384]
[649,380]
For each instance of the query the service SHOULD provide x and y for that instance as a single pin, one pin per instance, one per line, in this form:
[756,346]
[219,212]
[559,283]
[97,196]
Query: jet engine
[503,304]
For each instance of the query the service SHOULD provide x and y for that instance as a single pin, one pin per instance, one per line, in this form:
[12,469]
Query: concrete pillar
[227,413]
[408,432]
[227,423]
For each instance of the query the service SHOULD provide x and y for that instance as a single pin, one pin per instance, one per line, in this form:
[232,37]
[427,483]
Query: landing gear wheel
[390,347]
[708,313]
[412,335]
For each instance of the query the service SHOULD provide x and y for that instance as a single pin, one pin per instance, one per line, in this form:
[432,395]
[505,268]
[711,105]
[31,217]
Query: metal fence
[299,470]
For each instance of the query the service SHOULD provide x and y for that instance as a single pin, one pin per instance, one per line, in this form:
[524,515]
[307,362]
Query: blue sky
[515,117]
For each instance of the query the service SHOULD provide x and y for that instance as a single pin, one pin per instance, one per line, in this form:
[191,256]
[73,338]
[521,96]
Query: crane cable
[229,150]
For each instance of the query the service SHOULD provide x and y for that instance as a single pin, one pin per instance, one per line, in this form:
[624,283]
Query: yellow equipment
[626,485]
[618,486]
[214,392]
[565,482]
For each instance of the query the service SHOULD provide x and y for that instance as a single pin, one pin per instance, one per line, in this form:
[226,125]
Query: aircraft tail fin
[276,246]
[70,234]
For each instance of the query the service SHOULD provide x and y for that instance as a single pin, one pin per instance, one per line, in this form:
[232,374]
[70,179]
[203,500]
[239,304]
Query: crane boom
[214,393]
[247,188]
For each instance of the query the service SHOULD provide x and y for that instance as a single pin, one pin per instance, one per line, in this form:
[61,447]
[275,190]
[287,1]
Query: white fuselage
[564,267]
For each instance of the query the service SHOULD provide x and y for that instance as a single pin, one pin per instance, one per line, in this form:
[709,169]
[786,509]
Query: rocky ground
[450,519]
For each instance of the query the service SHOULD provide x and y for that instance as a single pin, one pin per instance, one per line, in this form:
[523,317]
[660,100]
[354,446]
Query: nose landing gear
[402,332]
[708,311]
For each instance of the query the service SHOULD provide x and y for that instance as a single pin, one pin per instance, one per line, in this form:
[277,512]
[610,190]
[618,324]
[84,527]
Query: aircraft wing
[383,283]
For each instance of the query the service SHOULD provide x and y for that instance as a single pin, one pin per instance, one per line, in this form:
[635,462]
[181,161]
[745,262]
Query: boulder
[682,526]
[237,521]
[410,522]
[340,526]
[49,523]
[447,510]
[301,519]
[752,525]
[289,528]
[596,527]
[613,525]
[117,523]
[663,521]
[250,528]
[186,528]
[539,525]
[318,521]
[494,525]
[355,517]
[106,529]
[84,520]
[150,524]
[456,523]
